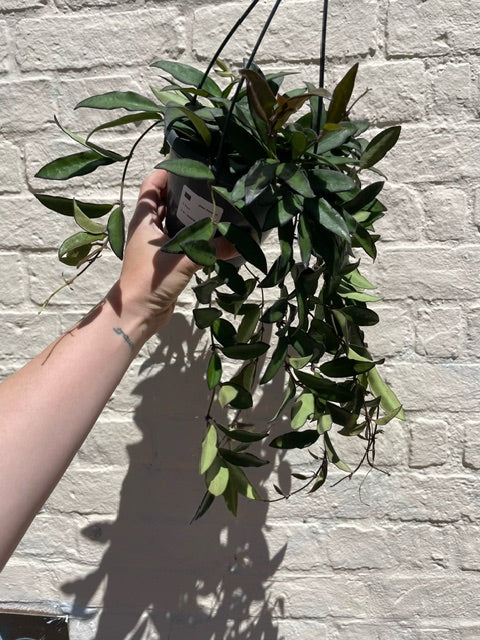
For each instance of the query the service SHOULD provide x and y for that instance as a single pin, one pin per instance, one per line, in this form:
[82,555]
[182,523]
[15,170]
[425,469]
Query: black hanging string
[240,84]
[323,48]
[232,31]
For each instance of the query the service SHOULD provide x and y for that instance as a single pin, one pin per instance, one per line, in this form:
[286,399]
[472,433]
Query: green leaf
[276,312]
[299,363]
[242,435]
[295,439]
[296,179]
[328,217]
[331,181]
[388,417]
[226,394]
[128,100]
[85,222]
[244,351]
[324,423]
[217,482]
[359,297]
[344,367]
[120,122]
[188,75]
[260,95]
[116,157]
[332,140]
[388,399]
[205,317]
[230,495]
[74,242]
[230,276]
[321,477]
[361,316]
[251,316]
[201,252]
[199,125]
[204,506]
[241,459]
[341,96]
[116,231]
[364,197]
[344,418]
[289,394]
[333,456]
[187,168]
[76,164]
[209,449]
[245,244]
[358,281]
[302,410]
[201,230]
[224,332]
[278,358]
[324,388]
[240,482]
[379,147]
[204,290]
[258,178]
[214,370]
[65,206]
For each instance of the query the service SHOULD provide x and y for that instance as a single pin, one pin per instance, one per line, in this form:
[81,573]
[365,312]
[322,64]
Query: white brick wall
[398,558]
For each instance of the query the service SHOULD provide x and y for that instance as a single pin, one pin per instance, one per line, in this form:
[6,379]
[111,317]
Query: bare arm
[48,407]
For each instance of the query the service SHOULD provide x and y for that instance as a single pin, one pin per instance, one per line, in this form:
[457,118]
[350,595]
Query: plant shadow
[167,578]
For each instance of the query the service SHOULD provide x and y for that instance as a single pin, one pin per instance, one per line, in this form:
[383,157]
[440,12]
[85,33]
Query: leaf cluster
[291,168]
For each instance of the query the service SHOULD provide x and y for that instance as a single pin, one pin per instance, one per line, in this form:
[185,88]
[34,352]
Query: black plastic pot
[188,199]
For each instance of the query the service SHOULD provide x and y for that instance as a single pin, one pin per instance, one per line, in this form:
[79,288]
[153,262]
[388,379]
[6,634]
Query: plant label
[193,207]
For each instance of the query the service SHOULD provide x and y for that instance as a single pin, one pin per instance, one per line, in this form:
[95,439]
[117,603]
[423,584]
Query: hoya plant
[290,178]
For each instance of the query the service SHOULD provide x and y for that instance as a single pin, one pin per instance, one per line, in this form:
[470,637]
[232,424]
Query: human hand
[151,280]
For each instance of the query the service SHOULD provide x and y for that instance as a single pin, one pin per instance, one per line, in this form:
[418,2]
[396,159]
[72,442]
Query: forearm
[48,408]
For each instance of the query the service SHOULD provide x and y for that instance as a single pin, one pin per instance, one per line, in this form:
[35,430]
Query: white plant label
[193,207]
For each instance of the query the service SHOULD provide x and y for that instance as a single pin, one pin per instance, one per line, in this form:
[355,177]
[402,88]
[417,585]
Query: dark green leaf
[327,216]
[295,439]
[224,332]
[379,147]
[204,506]
[242,459]
[364,197]
[205,290]
[188,75]
[241,483]
[71,244]
[258,178]
[209,449]
[362,316]
[128,100]
[246,351]
[331,181]
[277,360]
[214,370]
[251,315]
[187,168]
[332,140]
[260,94]
[76,164]
[120,122]
[245,244]
[116,231]
[276,311]
[201,230]
[230,276]
[324,388]
[321,477]
[65,206]
[296,180]
[333,456]
[341,96]
[201,252]
[241,435]
[344,367]
[205,317]
[289,394]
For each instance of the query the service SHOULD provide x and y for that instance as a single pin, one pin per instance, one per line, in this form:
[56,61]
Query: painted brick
[394,334]
[438,331]
[404,219]
[14,5]
[11,169]
[26,105]
[429,443]
[12,279]
[446,214]
[40,44]
[432,28]
[3,47]
[26,335]
[471,454]
[291,35]
[454,89]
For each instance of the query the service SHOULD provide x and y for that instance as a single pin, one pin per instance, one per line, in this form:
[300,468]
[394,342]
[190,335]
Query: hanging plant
[245,161]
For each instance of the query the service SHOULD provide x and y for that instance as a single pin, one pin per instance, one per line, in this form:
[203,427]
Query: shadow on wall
[164,577]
